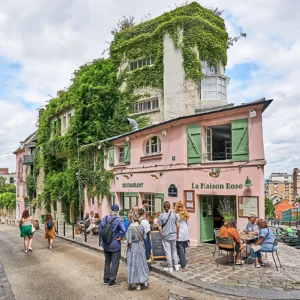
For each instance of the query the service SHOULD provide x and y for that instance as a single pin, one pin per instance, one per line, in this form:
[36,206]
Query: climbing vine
[101,103]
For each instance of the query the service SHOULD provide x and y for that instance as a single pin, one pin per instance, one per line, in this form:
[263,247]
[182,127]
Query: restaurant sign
[213,186]
[132,185]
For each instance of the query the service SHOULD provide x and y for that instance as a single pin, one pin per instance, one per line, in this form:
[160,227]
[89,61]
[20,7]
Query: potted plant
[226,209]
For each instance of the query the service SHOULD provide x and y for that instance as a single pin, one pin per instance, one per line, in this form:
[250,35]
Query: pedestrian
[112,231]
[146,225]
[144,206]
[27,227]
[183,240]
[168,226]
[137,267]
[50,228]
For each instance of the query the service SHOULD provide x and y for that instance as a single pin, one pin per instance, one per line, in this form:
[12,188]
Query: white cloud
[52,38]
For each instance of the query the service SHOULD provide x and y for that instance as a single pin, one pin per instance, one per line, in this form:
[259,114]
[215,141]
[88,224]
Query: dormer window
[153,145]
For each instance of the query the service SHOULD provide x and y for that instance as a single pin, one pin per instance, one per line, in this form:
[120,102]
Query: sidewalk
[245,281]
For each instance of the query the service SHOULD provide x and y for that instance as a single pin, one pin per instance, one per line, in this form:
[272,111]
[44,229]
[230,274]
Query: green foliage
[6,187]
[202,29]
[8,200]
[269,208]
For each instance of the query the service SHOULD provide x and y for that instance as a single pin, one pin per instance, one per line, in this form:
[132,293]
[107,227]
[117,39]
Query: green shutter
[240,140]
[111,157]
[127,153]
[194,145]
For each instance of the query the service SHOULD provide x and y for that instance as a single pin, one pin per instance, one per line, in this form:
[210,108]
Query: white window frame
[149,145]
[139,63]
[121,155]
[145,106]
[218,89]
[151,202]
[208,144]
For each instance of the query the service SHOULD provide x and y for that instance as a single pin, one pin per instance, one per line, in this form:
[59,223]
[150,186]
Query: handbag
[32,228]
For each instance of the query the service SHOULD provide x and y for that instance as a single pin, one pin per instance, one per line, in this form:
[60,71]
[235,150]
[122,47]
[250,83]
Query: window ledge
[151,156]
[145,112]
[119,166]
[218,161]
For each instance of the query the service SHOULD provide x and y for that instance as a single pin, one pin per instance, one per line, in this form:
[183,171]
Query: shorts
[237,247]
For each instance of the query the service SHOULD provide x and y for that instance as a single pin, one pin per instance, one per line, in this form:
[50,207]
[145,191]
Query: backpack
[107,231]
[49,225]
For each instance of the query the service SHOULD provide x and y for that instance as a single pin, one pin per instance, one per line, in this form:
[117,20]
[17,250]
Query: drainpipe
[133,124]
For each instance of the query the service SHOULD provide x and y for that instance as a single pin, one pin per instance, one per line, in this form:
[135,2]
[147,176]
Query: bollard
[73,231]
[64,228]
[57,227]
[85,237]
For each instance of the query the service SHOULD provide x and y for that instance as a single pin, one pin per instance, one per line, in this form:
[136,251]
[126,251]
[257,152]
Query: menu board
[247,206]
[189,200]
[158,250]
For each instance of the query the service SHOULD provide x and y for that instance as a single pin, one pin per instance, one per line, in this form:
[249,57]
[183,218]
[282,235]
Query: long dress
[50,234]
[137,268]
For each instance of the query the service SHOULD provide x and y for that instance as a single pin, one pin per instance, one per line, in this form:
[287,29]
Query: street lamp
[296,196]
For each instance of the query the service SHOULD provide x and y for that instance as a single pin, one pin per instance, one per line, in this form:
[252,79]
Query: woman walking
[50,228]
[137,268]
[182,241]
[27,228]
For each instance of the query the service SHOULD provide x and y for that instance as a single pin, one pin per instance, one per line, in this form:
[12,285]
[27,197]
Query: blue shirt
[251,227]
[118,231]
[267,234]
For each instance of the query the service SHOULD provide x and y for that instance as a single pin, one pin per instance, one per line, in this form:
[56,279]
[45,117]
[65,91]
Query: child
[50,228]
[126,224]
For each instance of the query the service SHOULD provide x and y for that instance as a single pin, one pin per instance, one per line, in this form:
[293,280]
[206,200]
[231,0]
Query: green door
[206,219]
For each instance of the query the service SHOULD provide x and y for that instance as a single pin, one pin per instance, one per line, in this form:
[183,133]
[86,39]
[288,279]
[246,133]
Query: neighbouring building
[212,157]
[281,184]
[296,182]
[25,172]
[10,178]
[282,206]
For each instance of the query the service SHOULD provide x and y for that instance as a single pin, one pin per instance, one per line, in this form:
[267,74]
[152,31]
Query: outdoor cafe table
[249,239]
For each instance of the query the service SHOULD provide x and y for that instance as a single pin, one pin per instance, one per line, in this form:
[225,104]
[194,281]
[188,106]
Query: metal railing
[213,156]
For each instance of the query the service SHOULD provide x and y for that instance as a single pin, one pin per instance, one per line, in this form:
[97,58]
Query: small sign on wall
[189,200]
[172,191]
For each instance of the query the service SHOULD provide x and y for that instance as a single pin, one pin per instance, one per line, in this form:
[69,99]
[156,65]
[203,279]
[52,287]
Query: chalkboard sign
[157,246]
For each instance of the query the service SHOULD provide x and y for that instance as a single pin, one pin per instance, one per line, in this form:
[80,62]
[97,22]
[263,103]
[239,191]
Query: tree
[6,187]
[269,208]
[8,200]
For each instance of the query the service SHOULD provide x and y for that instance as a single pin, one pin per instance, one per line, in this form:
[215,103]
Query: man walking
[168,226]
[112,231]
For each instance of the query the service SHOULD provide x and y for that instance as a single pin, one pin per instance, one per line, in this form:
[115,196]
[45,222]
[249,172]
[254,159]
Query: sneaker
[50,248]
[113,284]
[145,284]
[105,282]
[177,267]
[262,264]
[30,249]
[255,266]
[25,251]
[240,263]
[169,270]
[138,287]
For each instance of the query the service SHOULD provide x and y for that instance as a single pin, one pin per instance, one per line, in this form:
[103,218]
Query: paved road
[70,272]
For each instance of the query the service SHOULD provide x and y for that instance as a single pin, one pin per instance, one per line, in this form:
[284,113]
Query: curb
[214,287]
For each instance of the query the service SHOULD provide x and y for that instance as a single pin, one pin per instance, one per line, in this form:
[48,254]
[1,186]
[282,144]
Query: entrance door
[206,219]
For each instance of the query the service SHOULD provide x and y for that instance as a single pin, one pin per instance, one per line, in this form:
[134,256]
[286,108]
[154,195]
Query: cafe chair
[226,241]
[272,251]
[216,234]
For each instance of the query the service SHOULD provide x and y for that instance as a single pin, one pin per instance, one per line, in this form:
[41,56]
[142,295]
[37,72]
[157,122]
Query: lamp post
[78,179]
[297,207]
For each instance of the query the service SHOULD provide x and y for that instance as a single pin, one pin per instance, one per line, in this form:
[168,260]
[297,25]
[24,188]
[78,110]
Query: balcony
[28,159]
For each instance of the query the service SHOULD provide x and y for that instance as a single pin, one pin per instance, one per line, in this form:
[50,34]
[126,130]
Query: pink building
[24,166]
[209,159]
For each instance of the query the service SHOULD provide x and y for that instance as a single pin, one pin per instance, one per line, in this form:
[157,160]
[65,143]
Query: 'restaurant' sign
[214,186]
[132,185]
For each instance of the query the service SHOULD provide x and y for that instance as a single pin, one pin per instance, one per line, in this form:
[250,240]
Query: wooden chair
[226,241]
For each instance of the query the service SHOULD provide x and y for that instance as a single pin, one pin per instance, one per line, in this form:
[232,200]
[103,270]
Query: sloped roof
[212,110]
[27,142]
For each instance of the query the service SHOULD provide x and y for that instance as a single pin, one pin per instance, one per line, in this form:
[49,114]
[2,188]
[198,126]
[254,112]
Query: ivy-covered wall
[201,29]
[101,107]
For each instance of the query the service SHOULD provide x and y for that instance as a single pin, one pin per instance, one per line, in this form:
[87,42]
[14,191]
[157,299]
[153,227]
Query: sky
[43,42]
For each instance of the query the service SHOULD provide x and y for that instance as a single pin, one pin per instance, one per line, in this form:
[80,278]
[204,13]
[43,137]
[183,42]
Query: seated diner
[251,226]
[265,243]
[229,230]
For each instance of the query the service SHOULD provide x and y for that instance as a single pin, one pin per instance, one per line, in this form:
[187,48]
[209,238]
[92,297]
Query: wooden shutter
[111,155]
[194,145]
[127,153]
[240,140]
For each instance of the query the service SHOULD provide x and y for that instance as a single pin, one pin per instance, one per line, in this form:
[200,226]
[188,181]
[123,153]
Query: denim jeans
[257,254]
[181,252]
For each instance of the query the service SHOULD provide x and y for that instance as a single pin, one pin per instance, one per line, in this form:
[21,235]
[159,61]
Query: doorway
[210,217]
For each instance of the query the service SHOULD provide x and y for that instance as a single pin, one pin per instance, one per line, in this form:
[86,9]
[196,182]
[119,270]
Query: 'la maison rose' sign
[213,186]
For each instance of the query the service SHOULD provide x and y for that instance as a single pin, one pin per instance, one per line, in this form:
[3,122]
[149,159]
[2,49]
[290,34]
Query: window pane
[147,148]
[149,61]
[155,103]
[145,61]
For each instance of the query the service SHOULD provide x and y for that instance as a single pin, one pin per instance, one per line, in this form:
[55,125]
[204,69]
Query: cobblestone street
[202,271]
